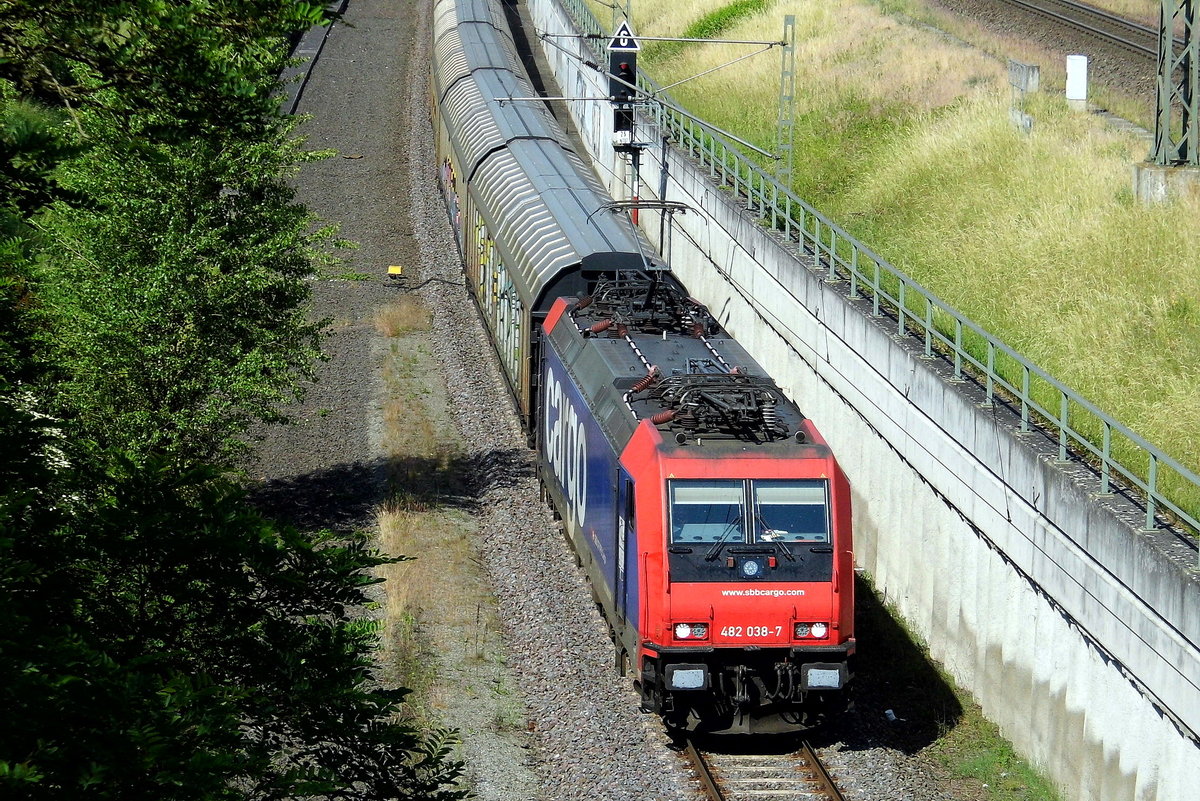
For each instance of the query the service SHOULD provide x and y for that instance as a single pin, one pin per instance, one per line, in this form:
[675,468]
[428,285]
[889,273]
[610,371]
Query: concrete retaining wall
[1075,632]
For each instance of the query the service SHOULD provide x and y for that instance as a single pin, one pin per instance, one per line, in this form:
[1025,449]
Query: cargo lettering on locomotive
[566,450]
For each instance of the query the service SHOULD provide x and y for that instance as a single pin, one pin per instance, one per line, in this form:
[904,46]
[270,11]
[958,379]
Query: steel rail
[707,780]
[803,761]
[1080,21]
[819,772]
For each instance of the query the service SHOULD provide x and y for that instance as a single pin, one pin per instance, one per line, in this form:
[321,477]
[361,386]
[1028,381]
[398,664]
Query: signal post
[623,94]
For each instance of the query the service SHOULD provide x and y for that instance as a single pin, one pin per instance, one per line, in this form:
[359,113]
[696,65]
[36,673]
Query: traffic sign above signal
[623,39]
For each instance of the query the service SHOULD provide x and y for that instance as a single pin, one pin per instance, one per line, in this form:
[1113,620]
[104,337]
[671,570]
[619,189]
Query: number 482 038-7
[751,631]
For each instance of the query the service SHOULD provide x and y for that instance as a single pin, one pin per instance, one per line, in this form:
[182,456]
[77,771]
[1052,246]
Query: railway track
[795,776]
[1133,37]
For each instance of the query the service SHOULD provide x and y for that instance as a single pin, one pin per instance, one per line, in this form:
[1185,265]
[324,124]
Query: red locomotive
[712,519]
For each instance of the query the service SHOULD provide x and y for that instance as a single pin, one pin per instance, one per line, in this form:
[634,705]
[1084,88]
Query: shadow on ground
[893,673]
[347,496]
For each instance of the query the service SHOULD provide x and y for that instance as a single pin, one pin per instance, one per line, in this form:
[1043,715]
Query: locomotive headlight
[816,631]
[691,631]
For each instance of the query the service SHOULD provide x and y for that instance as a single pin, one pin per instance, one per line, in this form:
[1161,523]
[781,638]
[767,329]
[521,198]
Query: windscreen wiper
[715,550]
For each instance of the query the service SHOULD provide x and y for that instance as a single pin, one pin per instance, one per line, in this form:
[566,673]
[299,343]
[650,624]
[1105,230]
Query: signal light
[691,631]
[622,81]
[622,78]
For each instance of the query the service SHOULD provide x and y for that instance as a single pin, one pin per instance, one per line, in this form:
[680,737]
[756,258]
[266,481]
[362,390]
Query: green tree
[170,69]
[32,145]
[173,259]
[171,643]
[157,638]
[34,140]
[180,294]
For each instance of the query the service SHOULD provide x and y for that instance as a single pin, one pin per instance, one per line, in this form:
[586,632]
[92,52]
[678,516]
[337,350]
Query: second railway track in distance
[1109,28]
[795,776]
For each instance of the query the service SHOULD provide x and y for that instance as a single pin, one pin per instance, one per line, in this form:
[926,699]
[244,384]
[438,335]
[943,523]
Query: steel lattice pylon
[1177,126]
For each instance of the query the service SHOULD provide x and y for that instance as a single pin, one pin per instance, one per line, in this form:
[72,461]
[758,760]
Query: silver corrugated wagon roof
[544,230]
[540,201]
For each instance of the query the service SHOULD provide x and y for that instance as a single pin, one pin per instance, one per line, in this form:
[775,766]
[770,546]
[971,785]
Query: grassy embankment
[903,138]
[441,637]
[1143,11]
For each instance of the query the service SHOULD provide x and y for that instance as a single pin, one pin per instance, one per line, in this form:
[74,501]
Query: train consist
[710,515]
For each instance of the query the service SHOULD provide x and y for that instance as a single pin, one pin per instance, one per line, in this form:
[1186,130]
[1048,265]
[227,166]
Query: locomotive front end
[709,514]
[753,629]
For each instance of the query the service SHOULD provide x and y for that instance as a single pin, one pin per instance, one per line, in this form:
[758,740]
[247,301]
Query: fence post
[1104,457]
[1024,398]
[875,291]
[1064,411]
[991,369]
[854,273]
[928,328]
[832,254]
[1151,492]
[958,347]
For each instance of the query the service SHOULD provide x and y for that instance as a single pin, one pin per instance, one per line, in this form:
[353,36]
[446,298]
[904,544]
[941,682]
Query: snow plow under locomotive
[710,515]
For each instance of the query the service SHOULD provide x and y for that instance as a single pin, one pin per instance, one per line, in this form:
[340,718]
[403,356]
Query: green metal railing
[1084,433]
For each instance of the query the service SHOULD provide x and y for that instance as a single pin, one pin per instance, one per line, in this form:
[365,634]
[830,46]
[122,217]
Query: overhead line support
[1177,122]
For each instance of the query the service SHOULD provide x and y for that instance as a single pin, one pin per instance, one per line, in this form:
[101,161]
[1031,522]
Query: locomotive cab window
[707,511]
[790,511]
[750,530]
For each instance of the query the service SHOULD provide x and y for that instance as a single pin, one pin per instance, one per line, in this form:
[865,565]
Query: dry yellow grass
[1039,239]
[439,626]
[420,458]
[1144,11]
[404,582]
[406,314]
[414,589]
[844,47]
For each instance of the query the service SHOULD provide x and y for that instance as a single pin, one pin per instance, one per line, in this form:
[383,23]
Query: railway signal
[623,78]
[622,92]
[622,81]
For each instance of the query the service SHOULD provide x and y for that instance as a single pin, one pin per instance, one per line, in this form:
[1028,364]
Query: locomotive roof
[610,366]
[542,204]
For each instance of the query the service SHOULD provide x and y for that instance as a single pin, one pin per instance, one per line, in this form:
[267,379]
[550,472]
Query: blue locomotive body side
[588,485]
